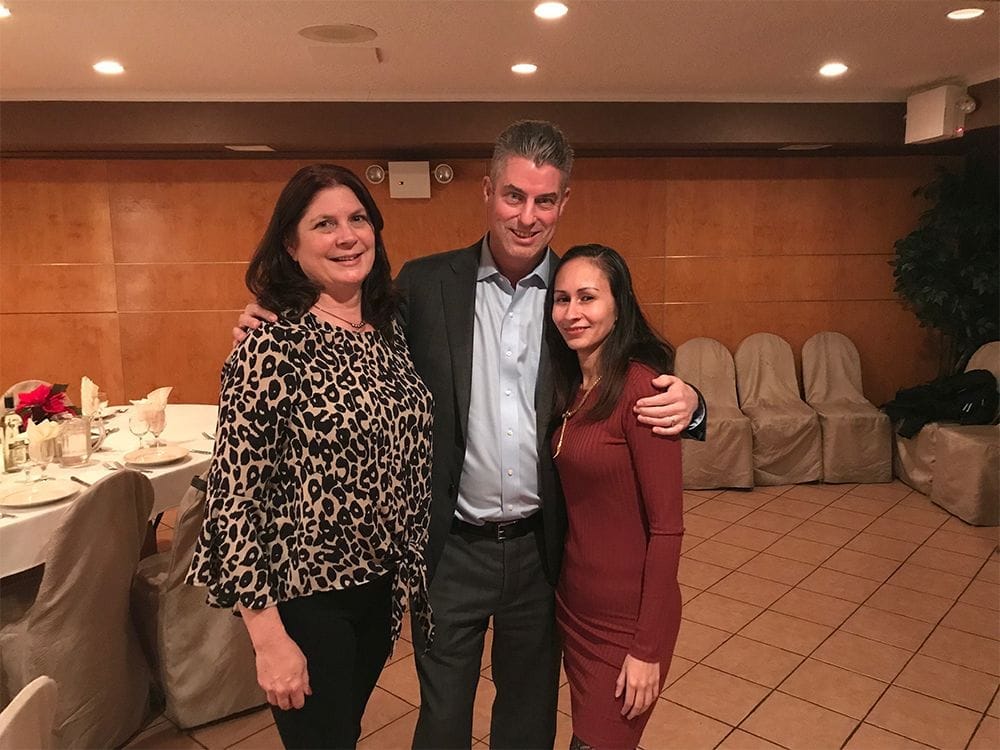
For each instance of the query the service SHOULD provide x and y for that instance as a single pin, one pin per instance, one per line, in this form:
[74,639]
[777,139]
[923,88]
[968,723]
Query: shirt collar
[539,276]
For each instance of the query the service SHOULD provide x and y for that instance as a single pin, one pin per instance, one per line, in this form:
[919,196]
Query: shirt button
[508,352]
[507,392]
[510,472]
[509,433]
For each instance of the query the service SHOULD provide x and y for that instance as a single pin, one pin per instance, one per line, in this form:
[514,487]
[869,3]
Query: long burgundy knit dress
[618,591]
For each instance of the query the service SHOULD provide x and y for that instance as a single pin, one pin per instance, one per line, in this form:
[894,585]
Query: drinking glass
[138,424]
[157,418]
[41,453]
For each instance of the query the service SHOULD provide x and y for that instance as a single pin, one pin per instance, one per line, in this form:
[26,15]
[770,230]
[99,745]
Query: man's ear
[563,201]
[487,189]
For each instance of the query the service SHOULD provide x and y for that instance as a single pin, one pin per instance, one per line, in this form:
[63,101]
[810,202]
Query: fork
[116,465]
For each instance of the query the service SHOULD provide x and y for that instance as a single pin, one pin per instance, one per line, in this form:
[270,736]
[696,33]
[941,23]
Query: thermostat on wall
[409,179]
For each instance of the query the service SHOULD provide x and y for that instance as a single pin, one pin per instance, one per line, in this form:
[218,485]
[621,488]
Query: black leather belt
[498,531]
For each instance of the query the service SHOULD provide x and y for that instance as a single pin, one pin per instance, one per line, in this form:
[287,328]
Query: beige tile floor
[815,616]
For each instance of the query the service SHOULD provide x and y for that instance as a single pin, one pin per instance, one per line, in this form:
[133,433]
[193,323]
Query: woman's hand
[639,681]
[253,315]
[282,672]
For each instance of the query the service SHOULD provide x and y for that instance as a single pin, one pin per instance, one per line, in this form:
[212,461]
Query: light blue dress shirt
[500,474]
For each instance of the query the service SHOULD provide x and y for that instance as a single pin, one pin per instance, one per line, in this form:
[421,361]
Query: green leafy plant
[946,270]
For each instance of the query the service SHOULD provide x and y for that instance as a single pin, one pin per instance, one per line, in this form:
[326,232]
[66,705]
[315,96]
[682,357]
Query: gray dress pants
[478,579]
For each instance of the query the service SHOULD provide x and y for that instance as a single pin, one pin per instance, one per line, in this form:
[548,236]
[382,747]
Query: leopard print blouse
[322,469]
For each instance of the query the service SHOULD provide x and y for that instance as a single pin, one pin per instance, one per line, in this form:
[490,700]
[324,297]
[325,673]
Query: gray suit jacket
[437,311]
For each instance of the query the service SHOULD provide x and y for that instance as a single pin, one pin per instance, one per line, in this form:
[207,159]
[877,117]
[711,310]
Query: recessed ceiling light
[548,11]
[109,67]
[339,33]
[4,11]
[833,69]
[250,149]
[964,14]
[525,69]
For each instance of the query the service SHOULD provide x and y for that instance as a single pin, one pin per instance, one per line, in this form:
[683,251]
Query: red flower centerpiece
[44,402]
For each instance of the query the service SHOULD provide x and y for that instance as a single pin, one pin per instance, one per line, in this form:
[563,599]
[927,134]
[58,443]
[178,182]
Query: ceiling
[461,50]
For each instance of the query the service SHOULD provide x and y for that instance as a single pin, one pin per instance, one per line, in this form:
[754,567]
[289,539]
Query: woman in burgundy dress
[618,602]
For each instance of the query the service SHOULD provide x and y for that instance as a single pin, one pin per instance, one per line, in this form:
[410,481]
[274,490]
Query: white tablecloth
[24,532]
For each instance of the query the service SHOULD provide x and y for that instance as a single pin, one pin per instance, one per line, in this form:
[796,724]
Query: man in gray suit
[473,320]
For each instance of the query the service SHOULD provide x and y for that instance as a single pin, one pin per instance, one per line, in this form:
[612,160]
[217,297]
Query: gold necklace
[356,326]
[566,415]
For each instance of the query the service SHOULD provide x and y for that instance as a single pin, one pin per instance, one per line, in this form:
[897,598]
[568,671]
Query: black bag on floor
[967,398]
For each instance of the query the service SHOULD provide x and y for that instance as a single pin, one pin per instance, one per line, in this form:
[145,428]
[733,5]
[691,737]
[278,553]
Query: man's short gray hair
[539,141]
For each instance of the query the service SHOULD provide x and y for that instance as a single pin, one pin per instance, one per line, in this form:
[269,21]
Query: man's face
[522,210]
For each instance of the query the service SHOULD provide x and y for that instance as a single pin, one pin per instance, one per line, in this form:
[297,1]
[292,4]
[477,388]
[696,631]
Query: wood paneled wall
[131,271]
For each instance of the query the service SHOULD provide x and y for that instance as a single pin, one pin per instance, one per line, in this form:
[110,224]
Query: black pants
[477,580]
[346,637]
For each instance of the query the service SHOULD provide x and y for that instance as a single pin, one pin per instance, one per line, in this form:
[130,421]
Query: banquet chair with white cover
[201,655]
[787,447]
[957,465]
[78,630]
[857,437]
[725,458]
[27,721]
[23,387]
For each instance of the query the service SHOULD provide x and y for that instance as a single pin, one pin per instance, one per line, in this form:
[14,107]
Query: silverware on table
[79,481]
[209,435]
[196,450]
[116,465]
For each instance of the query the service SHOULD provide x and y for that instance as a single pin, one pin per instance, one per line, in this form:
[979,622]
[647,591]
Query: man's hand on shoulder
[670,411]
[251,317]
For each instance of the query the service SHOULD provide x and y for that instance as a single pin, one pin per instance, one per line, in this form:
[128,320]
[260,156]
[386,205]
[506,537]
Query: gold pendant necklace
[566,415]
[356,326]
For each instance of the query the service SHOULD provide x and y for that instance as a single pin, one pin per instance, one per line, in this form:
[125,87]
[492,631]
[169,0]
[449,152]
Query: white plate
[156,456]
[38,493]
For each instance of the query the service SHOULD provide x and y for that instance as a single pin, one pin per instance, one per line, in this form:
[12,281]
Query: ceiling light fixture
[4,11]
[833,69]
[252,148]
[550,11]
[965,14]
[524,69]
[109,67]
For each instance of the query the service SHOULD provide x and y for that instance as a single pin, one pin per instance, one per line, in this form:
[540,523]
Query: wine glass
[41,452]
[138,424]
[157,418]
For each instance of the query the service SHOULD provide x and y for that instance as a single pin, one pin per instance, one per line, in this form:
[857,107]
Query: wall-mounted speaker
[934,115]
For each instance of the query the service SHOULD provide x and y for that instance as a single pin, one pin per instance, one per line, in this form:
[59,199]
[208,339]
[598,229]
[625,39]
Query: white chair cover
[857,437]
[79,631]
[787,447]
[957,465]
[27,721]
[201,655]
[725,458]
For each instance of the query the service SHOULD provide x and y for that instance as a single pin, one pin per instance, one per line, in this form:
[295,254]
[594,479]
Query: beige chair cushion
[725,458]
[857,437]
[79,631]
[202,655]
[787,447]
[27,721]
[966,472]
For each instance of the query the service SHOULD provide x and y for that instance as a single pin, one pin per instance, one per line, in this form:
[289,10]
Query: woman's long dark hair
[631,337]
[274,277]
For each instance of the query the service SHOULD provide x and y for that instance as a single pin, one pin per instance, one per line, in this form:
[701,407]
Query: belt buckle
[502,529]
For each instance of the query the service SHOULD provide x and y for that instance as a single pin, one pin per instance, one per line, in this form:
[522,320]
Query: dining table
[25,529]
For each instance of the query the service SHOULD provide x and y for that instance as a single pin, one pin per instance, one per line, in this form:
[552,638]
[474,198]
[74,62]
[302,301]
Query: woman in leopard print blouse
[320,484]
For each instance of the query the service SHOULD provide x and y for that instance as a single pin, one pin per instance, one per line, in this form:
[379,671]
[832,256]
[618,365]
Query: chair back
[831,369]
[206,660]
[27,721]
[765,371]
[23,387]
[987,357]
[79,630]
[708,365]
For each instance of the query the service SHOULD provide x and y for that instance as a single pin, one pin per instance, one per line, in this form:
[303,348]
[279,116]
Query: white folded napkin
[90,403]
[156,397]
[44,430]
